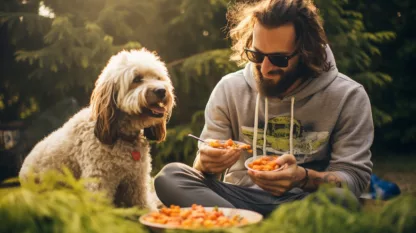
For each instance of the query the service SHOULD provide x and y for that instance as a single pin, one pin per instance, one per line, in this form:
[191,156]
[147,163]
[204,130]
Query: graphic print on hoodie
[333,127]
[306,141]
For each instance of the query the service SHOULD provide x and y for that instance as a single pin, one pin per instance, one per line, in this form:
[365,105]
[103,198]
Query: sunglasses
[276,59]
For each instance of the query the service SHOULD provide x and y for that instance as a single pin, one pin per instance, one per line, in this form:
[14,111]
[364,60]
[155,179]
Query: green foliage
[356,48]
[60,203]
[195,76]
[67,52]
[178,146]
[189,27]
[397,97]
[318,213]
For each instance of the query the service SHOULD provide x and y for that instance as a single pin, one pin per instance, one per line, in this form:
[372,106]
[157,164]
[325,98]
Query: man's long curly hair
[310,35]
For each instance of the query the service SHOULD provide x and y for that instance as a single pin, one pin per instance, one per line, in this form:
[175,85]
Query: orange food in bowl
[229,144]
[195,217]
[265,163]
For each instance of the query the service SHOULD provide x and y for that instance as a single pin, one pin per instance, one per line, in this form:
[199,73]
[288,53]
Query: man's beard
[269,88]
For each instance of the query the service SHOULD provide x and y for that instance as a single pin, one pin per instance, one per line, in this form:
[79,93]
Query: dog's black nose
[160,92]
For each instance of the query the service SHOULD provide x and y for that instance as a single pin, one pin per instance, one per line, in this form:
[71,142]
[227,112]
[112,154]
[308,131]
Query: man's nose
[266,66]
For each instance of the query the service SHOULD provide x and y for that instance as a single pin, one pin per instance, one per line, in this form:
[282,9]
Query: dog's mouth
[156,110]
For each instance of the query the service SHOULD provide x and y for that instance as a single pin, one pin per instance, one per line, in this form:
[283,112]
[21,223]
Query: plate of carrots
[198,217]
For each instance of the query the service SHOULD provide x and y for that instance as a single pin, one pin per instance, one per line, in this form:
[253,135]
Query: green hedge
[61,204]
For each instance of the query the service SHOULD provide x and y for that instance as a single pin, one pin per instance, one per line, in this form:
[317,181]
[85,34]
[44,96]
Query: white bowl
[251,159]
[251,216]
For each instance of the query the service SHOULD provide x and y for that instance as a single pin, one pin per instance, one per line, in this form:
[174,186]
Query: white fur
[76,146]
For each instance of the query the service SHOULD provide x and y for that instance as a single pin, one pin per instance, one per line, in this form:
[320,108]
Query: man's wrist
[304,181]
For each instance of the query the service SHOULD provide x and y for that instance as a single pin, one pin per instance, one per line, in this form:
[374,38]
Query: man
[291,77]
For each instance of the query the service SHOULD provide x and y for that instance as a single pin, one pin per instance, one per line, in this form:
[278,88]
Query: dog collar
[129,138]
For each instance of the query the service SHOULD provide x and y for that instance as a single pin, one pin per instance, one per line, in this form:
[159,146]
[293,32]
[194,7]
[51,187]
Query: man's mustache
[272,72]
[276,72]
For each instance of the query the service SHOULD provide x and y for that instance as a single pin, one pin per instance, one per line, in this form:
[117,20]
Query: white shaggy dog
[131,103]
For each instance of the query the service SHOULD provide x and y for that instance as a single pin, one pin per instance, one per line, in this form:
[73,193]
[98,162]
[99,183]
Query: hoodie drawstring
[292,105]
[256,119]
[266,120]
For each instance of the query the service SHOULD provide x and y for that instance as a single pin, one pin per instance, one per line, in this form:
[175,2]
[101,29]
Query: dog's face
[135,83]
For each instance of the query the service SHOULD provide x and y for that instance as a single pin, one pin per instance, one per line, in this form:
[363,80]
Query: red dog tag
[136,155]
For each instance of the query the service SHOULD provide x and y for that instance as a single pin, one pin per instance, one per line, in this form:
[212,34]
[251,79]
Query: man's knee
[169,174]
[171,168]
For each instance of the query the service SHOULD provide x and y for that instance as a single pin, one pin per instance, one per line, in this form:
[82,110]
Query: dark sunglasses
[276,59]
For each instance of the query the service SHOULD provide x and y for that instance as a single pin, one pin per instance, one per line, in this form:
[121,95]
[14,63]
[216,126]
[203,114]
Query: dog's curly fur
[131,103]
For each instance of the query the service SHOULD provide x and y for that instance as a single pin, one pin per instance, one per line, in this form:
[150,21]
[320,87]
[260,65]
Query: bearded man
[289,100]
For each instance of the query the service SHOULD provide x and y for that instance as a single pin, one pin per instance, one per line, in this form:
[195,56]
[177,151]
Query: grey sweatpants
[181,185]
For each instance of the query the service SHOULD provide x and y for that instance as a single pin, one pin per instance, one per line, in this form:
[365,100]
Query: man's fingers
[218,155]
[231,159]
[281,183]
[284,183]
[211,155]
[219,164]
[272,175]
[212,152]
[286,158]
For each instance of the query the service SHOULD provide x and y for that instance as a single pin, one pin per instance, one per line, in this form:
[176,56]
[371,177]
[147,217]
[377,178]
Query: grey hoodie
[332,124]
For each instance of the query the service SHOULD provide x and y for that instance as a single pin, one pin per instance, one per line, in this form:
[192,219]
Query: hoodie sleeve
[351,141]
[217,119]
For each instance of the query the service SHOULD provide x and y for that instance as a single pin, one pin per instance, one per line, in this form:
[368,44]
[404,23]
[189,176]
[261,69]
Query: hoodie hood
[326,123]
[309,87]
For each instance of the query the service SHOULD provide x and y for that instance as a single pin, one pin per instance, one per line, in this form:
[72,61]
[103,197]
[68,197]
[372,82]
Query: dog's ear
[156,133]
[105,112]
[106,134]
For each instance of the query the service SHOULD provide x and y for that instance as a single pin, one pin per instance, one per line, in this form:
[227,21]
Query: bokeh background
[52,51]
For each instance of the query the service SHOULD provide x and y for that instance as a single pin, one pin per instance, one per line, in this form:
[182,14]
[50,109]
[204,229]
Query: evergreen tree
[189,35]
[68,48]
[397,98]
[356,49]
[17,95]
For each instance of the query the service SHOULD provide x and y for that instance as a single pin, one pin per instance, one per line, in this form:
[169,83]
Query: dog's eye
[138,79]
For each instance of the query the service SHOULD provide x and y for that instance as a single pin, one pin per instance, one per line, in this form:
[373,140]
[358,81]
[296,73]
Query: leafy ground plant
[323,212]
[60,203]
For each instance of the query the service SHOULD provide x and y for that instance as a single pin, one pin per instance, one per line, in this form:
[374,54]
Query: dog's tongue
[157,109]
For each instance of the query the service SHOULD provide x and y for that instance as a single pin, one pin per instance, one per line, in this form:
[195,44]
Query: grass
[394,162]
[394,167]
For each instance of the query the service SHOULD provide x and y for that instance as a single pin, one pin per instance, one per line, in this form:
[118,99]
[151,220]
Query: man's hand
[214,160]
[279,182]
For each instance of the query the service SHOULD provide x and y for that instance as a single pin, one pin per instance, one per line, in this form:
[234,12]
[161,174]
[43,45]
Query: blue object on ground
[381,189]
